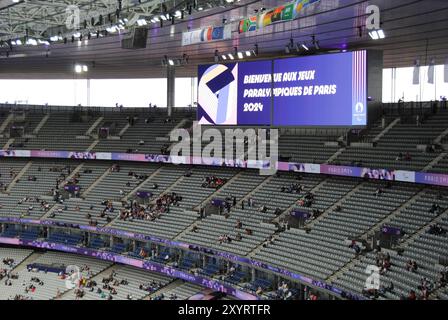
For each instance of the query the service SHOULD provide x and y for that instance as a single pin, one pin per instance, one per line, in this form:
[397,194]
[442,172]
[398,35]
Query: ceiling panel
[415,29]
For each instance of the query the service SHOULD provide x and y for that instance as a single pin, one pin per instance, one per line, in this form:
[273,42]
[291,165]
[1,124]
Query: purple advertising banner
[148,265]
[348,171]
[437,179]
[49,154]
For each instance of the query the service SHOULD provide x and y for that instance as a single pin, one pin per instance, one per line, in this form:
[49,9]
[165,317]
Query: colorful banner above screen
[207,34]
[324,90]
[282,13]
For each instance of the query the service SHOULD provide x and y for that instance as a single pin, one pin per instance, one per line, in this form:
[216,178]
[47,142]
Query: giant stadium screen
[323,90]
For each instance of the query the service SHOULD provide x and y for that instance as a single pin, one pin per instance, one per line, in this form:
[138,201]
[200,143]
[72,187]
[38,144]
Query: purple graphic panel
[432,178]
[325,90]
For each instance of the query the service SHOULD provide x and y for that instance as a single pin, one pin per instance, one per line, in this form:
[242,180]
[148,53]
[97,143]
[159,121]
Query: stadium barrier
[147,265]
[348,171]
[180,245]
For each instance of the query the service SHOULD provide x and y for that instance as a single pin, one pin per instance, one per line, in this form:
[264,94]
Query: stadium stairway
[435,161]
[93,126]
[124,129]
[422,230]
[142,185]
[218,191]
[313,190]
[254,191]
[168,190]
[393,214]
[153,201]
[335,155]
[386,130]
[106,272]
[334,206]
[29,259]
[19,176]
[441,137]
[8,143]
[93,145]
[181,124]
[257,249]
[96,182]
[72,174]
[6,122]
[41,124]
[345,268]
[172,285]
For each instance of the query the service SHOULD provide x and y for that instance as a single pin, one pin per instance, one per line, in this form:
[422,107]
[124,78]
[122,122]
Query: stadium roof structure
[415,29]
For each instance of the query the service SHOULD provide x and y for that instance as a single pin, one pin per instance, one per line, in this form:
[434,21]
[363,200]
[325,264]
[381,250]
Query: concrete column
[88,92]
[170,89]
[192,91]
[253,274]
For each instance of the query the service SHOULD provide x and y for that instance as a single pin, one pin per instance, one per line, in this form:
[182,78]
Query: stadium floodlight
[13,43]
[85,68]
[178,13]
[45,42]
[248,53]
[54,38]
[112,29]
[200,9]
[224,57]
[305,47]
[32,42]
[240,55]
[78,68]
[377,34]
[231,57]
[374,35]
[141,22]
[163,17]
[77,35]
[171,62]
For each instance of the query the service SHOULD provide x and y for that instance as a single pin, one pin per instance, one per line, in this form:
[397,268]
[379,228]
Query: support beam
[170,89]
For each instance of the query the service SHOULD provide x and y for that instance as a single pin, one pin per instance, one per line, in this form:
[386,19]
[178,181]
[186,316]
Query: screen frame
[271,125]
